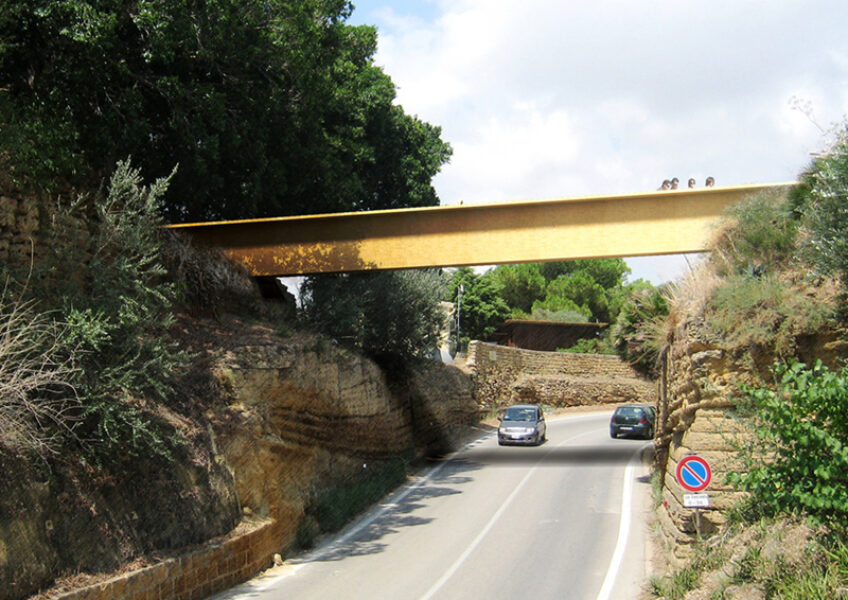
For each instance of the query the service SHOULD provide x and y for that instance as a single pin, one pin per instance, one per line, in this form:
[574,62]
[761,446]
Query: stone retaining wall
[30,226]
[217,566]
[504,375]
[697,416]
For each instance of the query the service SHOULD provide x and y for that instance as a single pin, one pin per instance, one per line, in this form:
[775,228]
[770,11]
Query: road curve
[492,522]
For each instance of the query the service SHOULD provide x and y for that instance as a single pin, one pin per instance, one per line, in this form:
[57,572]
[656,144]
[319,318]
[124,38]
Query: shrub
[803,427]
[759,236]
[822,202]
[386,313]
[600,345]
[107,286]
[768,312]
[636,333]
[120,315]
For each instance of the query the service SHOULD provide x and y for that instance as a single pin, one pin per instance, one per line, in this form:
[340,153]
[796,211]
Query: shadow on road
[571,456]
[397,515]
[449,480]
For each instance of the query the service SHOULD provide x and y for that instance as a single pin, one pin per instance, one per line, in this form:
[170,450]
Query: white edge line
[623,528]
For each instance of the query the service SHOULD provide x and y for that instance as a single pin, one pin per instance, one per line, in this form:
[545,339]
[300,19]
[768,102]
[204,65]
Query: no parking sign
[693,474]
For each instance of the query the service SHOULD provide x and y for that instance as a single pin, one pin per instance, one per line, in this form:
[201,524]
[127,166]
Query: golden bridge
[622,225]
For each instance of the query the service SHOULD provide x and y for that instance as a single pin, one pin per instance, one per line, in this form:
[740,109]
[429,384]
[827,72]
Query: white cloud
[500,154]
[544,98]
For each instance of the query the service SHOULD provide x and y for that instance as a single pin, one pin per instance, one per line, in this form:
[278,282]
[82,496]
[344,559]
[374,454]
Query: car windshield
[520,414]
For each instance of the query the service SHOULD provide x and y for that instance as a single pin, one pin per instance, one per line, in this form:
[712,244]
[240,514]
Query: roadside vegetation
[85,330]
[577,291]
[777,275]
[236,110]
[119,117]
[339,503]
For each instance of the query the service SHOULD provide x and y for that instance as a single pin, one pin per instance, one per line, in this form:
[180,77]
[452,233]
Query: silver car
[522,424]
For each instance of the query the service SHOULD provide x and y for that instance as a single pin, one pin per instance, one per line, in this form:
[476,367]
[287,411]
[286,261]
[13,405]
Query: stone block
[167,589]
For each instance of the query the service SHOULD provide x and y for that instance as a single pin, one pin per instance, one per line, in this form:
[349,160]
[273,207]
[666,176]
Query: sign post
[694,475]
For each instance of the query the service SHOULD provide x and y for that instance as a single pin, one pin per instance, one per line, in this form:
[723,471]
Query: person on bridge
[674,183]
[691,182]
[710,182]
[666,185]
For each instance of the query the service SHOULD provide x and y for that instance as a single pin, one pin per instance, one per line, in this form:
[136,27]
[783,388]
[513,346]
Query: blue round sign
[693,473]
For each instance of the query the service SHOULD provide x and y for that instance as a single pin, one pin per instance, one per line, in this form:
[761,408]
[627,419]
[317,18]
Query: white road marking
[623,528]
[275,575]
[473,546]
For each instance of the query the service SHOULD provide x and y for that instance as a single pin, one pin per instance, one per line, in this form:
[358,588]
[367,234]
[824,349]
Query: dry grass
[752,562]
[37,402]
[206,277]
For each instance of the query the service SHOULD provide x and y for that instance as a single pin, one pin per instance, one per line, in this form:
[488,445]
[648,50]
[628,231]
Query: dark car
[633,420]
[522,424]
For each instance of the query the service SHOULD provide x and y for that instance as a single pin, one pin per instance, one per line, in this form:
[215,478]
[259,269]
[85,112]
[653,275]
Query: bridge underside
[652,223]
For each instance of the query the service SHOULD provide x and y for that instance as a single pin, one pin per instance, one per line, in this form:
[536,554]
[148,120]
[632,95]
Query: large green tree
[269,107]
[576,290]
[383,314]
[520,285]
[481,309]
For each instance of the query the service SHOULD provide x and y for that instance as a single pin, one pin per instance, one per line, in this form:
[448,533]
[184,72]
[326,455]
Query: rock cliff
[271,419]
[698,389]
[505,375]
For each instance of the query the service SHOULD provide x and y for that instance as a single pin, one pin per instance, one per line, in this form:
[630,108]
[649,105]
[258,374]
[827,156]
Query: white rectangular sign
[696,500]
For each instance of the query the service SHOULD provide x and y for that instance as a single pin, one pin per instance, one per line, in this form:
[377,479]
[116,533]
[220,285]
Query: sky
[558,98]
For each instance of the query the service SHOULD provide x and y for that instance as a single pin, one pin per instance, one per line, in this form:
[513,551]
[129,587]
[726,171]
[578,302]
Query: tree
[608,272]
[270,107]
[520,285]
[577,290]
[386,313]
[482,310]
[582,289]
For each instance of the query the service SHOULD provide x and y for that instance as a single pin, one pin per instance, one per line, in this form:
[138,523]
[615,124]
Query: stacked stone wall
[698,389]
[30,226]
[504,375]
[217,566]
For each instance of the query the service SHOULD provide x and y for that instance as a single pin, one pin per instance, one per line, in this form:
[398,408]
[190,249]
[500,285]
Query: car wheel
[650,434]
[613,435]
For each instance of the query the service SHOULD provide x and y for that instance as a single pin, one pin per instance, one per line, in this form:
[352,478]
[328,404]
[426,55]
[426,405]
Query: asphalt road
[492,522]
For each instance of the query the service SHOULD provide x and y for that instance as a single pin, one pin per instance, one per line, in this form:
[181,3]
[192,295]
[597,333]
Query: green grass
[754,555]
[337,505]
